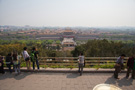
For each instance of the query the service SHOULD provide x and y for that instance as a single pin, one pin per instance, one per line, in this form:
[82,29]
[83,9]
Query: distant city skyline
[68,13]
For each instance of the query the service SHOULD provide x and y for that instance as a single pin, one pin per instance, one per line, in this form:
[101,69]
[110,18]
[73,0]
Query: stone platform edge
[68,70]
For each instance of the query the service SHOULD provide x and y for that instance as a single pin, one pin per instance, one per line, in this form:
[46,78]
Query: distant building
[68,44]
[68,34]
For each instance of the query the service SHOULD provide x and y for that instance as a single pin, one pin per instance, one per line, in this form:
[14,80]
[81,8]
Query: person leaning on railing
[119,65]
[26,58]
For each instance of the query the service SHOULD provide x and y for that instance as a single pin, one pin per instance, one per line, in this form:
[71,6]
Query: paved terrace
[68,79]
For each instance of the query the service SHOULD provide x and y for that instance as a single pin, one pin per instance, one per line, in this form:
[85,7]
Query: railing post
[98,63]
[72,63]
[45,63]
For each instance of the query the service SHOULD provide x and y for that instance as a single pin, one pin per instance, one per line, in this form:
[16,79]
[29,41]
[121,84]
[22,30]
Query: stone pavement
[61,81]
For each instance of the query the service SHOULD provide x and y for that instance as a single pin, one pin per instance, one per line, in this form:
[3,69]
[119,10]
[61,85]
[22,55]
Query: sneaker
[19,72]
[117,78]
[126,77]
[133,78]
[16,73]
[4,72]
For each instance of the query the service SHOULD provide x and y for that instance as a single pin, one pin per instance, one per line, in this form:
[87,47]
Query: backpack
[32,56]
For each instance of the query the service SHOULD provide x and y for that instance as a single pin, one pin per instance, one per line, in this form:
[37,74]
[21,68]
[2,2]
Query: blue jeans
[36,64]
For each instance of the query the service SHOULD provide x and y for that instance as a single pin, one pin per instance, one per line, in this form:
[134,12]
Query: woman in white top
[26,58]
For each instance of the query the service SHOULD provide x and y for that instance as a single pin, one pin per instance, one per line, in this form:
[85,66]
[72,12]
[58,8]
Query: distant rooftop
[68,31]
[68,40]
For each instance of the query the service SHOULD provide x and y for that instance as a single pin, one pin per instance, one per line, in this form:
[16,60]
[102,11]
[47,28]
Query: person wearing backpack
[34,58]
[81,63]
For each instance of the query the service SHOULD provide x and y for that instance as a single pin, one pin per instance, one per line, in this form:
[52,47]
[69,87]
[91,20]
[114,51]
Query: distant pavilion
[68,42]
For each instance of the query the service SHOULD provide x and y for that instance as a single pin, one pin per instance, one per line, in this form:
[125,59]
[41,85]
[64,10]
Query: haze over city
[86,13]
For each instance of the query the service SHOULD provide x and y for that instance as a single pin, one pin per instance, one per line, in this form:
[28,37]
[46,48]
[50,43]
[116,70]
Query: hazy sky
[67,12]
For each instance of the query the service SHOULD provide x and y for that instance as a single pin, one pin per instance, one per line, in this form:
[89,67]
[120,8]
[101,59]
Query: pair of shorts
[27,59]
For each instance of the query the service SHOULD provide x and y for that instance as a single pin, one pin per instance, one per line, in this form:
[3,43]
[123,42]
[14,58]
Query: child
[16,63]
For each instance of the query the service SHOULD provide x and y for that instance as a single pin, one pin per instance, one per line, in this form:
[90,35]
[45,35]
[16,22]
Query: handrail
[73,61]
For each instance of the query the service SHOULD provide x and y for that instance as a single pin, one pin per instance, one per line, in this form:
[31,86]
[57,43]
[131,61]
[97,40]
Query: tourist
[119,65]
[26,58]
[131,66]
[1,65]
[9,62]
[16,63]
[81,63]
[34,58]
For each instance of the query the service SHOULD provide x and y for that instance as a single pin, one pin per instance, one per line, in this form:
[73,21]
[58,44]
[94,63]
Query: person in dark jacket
[9,61]
[1,65]
[131,66]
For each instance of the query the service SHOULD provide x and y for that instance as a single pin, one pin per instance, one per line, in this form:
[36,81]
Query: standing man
[81,63]
[131,66]
[119,65]
[34,58]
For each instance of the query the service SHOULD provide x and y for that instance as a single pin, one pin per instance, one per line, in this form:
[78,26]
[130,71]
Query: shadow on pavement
[17,77]
[125,82]
[122,82]
[73,75]
[111,80]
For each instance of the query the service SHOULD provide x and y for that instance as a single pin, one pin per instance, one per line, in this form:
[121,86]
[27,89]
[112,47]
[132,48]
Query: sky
[86,13]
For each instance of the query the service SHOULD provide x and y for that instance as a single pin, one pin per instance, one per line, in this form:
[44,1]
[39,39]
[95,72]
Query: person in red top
[131,66]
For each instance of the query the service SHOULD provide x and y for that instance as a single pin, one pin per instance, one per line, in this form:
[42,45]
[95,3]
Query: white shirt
[81,59]
[25,54]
